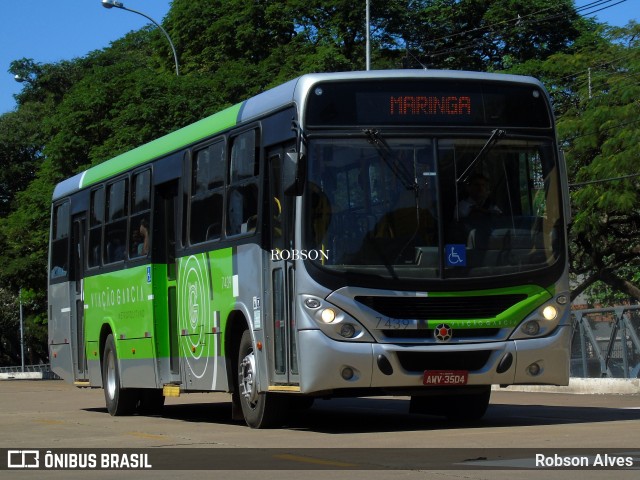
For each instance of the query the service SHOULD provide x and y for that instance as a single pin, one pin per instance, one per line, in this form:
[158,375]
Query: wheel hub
[247,379]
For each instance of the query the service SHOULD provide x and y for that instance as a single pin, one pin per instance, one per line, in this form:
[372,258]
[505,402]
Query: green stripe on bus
[163,145]
[536,297]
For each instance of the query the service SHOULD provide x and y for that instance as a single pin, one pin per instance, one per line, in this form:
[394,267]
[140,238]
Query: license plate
[445,377]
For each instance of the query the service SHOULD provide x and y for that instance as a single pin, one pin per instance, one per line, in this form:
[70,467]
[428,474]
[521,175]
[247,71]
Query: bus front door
[281,326]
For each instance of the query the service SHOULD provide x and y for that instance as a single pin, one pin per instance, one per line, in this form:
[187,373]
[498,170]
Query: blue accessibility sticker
[455,255]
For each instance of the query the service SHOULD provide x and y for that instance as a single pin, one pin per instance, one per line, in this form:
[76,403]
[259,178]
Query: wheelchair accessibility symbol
[456,255]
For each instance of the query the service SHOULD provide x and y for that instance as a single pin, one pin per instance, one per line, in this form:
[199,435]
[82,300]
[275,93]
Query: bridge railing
[606,342]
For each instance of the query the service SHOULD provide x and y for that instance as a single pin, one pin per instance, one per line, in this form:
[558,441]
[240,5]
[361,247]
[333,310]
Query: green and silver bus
[343,234]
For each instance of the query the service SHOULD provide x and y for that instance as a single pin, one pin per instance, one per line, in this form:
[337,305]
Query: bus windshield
[432,208]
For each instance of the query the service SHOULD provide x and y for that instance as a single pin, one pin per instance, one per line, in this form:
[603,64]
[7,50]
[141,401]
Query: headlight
[328,315]
[550,312]
[543,320]
[332,321]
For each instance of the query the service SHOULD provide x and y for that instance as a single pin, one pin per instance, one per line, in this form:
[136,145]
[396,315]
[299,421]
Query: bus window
[242,200]
[207,187]
[96,220]
[115,233]
[139,240]
[60,242]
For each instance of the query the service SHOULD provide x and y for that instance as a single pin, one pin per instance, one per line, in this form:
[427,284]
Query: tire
[260,410]
[464,407]
[120,401]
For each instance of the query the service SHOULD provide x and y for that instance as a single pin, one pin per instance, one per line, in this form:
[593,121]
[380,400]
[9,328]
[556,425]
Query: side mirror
[294,173]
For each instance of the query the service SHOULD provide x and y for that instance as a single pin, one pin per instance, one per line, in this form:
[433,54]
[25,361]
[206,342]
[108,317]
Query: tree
[22,141]
[595,93]
[9,328]
[480,35]
[602,140]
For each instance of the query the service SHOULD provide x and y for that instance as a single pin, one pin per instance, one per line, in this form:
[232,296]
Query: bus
[343,234]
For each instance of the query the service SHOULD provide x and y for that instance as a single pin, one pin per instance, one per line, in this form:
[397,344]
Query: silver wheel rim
[247,379]
[111,375]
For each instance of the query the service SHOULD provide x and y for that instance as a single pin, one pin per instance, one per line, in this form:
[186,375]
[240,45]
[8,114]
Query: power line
[604,8]
[604,180]
[596,132]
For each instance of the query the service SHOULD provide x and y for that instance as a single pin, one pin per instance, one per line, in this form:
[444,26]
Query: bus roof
[288,93]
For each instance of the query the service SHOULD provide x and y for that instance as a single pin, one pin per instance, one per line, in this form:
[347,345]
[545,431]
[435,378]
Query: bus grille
[421,361]
[458,333]
[441,308]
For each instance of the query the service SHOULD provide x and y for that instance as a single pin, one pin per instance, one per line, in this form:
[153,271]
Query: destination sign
[412,105]
[437,102]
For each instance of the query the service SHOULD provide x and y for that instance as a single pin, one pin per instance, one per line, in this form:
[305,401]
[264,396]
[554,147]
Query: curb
[584,386]
[28,376]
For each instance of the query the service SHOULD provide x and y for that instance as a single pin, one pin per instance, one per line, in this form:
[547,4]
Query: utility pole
[368,42]
[21,332]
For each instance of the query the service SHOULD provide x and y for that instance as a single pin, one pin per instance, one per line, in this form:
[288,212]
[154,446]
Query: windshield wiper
[495,135]
[409,180]
[399,170]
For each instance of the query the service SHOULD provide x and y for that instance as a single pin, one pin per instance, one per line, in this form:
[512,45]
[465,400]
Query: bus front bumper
[331,365]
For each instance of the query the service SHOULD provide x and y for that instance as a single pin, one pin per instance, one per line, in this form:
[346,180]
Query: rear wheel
[260,410]
[120,401]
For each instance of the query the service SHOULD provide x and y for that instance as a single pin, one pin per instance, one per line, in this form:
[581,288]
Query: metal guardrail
[606,342]
[43,368]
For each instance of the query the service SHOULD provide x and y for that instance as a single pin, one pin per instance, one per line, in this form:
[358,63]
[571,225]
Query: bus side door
[281,324]
[76,291]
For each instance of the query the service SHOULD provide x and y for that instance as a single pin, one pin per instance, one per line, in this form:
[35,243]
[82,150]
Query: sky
[49,31]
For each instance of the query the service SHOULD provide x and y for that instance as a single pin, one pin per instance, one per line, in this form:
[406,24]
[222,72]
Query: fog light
[531,328]
[534,369]
[347,330]
[312,303]
[328,315]
[347,373]
[550,312]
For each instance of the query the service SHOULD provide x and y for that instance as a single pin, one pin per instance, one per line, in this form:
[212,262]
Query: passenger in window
[477,202]
[136,243]
[143,246]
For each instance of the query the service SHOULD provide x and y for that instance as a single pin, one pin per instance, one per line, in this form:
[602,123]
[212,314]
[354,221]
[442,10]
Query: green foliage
[595,90]
[480,35]
[34,328]
[9,328]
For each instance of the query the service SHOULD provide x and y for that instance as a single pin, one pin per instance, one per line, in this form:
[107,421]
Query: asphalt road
[363,438]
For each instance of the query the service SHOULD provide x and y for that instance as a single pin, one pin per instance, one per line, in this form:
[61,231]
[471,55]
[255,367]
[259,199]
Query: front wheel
[120,401]
[260,410]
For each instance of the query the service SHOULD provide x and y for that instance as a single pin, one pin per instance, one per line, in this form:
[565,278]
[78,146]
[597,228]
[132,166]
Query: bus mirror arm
[294,164]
